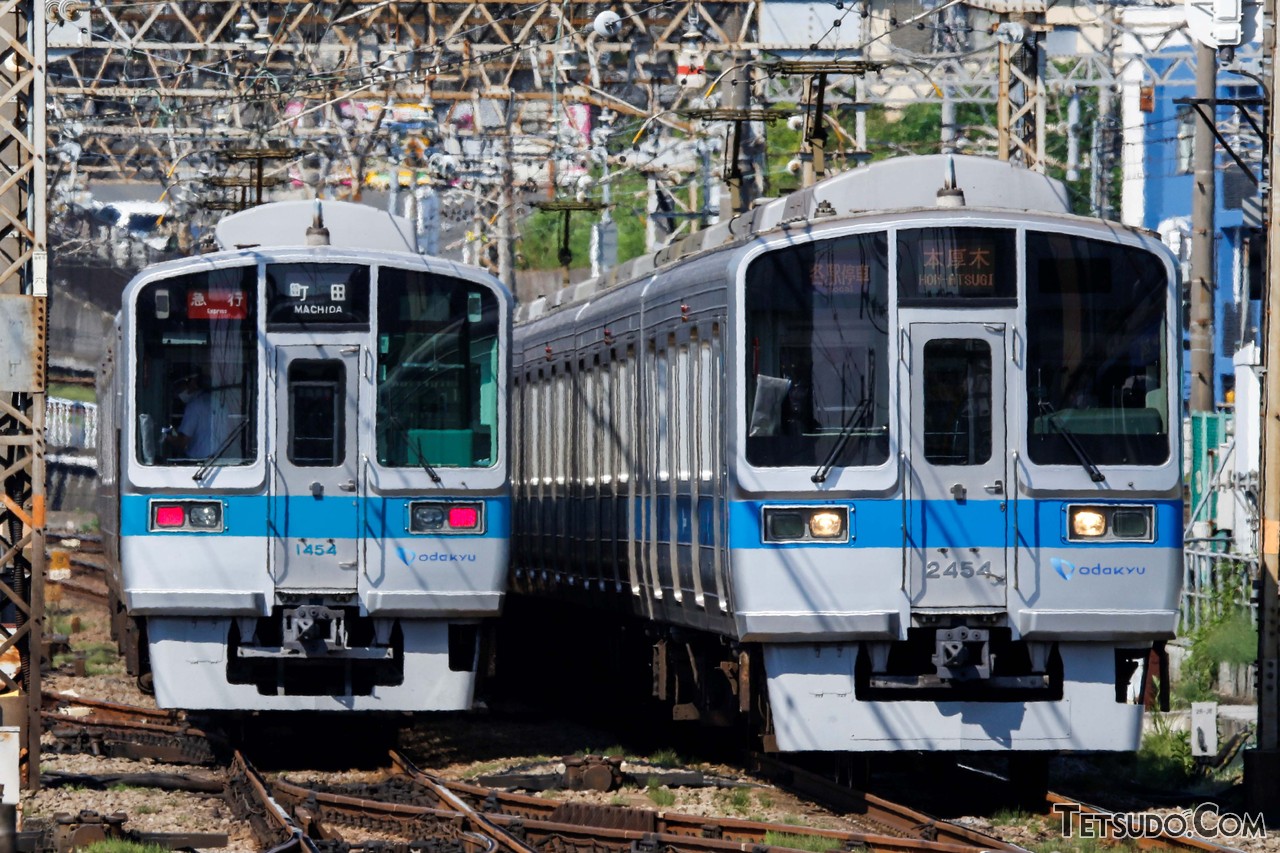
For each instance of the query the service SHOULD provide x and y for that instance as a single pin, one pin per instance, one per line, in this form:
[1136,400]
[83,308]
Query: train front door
[956,480]
[314,515]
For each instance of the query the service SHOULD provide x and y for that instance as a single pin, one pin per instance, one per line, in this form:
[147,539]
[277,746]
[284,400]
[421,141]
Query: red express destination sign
[216,305]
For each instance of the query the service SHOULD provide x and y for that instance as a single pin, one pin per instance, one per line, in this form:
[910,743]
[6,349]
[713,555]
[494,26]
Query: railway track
[674,824]
[411,805]
[125,731]
[447,812]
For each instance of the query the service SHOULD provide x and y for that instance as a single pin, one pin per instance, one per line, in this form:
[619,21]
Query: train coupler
[962,653]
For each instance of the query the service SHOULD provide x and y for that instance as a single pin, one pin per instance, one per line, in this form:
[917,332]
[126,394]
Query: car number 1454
[317,549]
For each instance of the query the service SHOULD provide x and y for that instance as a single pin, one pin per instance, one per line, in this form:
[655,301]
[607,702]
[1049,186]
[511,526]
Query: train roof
[929,182]
[285,223]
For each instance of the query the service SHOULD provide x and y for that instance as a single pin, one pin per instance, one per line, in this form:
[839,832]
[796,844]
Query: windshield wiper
[854,420]
[1070,437]
[417,449]
[206,464]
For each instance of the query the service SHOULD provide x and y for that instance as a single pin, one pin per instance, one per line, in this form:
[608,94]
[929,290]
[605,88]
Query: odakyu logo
[1068,570]
[410,558]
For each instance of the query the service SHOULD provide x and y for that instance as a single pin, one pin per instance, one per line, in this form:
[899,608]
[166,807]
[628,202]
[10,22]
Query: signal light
[170,516]
[463,517]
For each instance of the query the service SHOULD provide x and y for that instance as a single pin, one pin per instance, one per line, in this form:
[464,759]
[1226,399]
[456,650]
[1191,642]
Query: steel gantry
[23,327]
[157,90]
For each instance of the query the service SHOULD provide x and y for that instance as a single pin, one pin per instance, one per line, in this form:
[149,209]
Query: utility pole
[1262,764]
[1203,195]
[739,165]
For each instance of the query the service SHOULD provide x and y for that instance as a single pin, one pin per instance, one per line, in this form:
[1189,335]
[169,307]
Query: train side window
[706,411]
[957,401]
[545,468]
[662,410]
[561,436]
[684,411]
[587,447]
[517,431]
[626,408]
[533,429]
[607,416]
[317,408]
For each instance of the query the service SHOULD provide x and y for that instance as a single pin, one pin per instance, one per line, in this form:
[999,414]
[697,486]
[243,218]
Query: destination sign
[951,270]
[305,294]
[217,305]
[832,277]
[956,263]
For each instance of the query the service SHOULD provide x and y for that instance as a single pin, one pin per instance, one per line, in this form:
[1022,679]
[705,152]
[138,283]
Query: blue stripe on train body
[879,524]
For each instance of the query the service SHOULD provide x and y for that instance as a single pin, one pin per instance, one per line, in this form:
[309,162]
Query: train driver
[193,438]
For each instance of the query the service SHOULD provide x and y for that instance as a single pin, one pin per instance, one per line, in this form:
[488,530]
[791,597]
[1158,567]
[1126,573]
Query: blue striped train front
[878,465]
[307,487]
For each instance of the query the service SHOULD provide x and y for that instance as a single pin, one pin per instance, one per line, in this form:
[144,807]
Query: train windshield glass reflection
[816,365]
[437,371]
[1097,365]
[197,368]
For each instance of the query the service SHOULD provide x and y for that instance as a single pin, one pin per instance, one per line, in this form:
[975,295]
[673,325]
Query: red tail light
[170,516]
[463,517]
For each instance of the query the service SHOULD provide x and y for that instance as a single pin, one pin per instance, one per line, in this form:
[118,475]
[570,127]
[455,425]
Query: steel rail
[251,801]
[73,587]
[127,731]
[104,711]
[894,816]
[535,812]
[317,810]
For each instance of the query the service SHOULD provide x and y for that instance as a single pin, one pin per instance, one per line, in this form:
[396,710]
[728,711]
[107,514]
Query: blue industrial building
[1162,124]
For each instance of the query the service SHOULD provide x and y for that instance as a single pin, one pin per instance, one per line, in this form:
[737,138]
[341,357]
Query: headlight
[1131,523]
[806,524]
[426,517]
[1087,523]
[1111,523]
[205,516]
[826,525]
[784,525]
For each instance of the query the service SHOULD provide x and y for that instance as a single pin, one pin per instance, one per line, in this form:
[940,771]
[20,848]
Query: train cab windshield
[1097,366]
[437,364]
[816,346]
[817,354]
[196,380]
